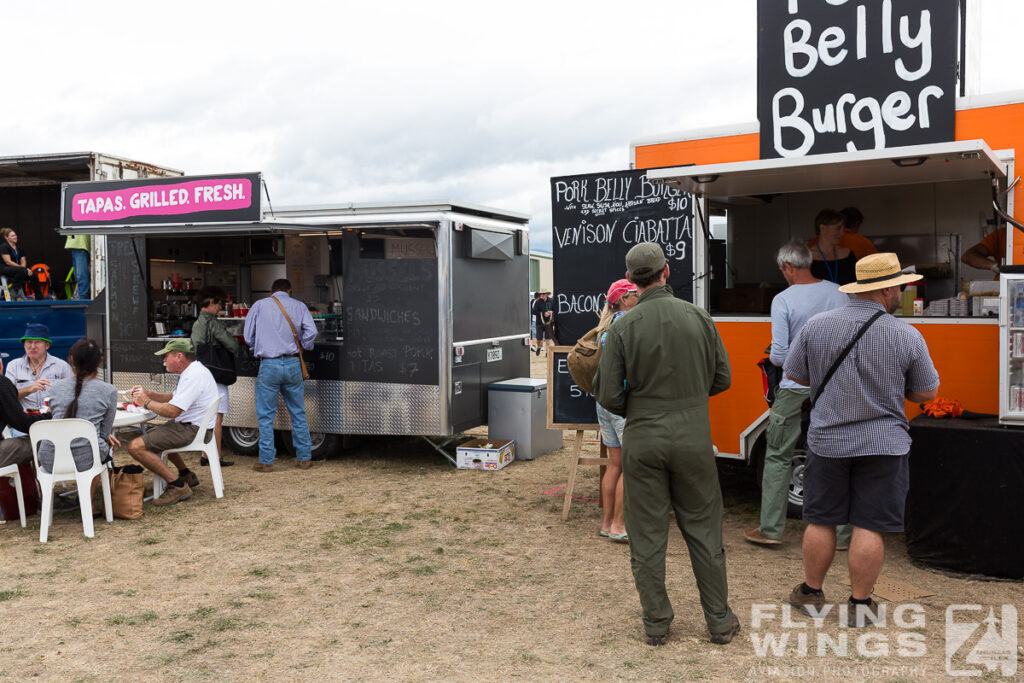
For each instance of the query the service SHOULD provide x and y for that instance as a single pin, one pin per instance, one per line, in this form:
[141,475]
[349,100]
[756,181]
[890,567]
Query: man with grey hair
[805,296]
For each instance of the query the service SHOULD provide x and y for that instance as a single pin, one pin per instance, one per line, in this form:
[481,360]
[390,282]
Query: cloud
[345,101]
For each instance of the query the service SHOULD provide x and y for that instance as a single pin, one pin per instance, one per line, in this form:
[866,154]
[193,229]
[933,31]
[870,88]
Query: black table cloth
[965,509]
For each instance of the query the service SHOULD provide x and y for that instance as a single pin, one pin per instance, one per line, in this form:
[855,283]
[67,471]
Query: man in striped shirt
[859,439]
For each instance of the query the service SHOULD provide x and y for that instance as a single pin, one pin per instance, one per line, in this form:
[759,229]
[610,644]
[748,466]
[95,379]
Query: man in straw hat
[674,359]
[858,440]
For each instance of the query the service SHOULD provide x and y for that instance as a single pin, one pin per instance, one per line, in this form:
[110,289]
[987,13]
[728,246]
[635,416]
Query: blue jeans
[282,375]
[80,261]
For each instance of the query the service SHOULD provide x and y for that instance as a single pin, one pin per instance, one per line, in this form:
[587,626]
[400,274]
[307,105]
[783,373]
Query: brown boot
[726,637]
[173,494]
[802,601]
[260,467]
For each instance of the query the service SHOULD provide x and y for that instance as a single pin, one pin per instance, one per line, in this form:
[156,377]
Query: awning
[325,220]
[934,163]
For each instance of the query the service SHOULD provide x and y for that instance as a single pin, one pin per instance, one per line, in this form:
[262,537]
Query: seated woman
[14,266]
[831,262]
[83,396]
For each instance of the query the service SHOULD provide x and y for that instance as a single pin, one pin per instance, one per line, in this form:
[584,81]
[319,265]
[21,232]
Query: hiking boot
[260,467]
[726,637]
[859,616]
[191,479]
[655,640]
[755,536]
[801,601]
[304,464]
[173,494]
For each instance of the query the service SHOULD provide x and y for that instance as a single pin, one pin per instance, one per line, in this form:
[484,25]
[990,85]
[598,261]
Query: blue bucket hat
[36,331]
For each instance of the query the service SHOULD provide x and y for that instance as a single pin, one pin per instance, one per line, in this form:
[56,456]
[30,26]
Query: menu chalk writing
[127,291]
[391,320]
[596,218]
[569,407]
[842,76]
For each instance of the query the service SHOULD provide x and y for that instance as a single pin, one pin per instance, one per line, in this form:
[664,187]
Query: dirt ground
[385,562]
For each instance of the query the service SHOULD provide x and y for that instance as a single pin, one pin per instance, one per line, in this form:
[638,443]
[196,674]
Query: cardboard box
[485,454]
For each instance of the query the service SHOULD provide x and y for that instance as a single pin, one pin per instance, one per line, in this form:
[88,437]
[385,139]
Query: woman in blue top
[622,296]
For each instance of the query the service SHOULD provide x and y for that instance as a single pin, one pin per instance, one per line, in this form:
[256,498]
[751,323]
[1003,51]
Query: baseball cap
[183,345]
[618,288]
[644,260]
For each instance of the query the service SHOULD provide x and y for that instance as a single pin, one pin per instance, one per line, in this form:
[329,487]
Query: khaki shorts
[169,435]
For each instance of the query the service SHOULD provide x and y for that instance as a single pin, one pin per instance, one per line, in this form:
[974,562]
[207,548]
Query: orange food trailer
[928,203]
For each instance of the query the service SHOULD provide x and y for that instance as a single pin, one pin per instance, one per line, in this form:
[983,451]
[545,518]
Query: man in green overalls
[659,366]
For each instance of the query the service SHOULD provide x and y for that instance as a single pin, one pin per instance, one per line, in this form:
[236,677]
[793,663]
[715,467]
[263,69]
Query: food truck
[926,203]
[418,305]
[30,205]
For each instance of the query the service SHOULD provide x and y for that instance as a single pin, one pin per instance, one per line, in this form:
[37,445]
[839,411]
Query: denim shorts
[611,427]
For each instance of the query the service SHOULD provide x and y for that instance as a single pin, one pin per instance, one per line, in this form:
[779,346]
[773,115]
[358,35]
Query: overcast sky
[352,102]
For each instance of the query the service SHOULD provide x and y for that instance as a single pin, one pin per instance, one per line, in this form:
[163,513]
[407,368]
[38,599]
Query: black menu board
[596,218]
[838,76]
[391,321]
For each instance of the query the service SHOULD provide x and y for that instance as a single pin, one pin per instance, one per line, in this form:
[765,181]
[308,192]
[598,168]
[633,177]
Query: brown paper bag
[126,491]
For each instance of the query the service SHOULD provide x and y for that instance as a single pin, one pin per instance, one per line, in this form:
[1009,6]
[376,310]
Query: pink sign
[212,194]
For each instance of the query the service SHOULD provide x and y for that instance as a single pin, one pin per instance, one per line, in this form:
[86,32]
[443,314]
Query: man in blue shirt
[272,328]
[805,296]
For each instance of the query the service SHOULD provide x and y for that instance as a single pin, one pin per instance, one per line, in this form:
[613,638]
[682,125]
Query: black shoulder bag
[809,403]
[218,360]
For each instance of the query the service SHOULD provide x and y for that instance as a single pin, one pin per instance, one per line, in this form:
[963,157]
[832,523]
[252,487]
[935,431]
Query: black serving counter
[966,503]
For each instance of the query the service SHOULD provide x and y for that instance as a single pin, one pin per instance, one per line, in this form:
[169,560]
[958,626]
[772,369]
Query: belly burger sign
[843,75]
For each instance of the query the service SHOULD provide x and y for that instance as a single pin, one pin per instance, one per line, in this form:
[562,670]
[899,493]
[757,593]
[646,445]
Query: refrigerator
[1011,347]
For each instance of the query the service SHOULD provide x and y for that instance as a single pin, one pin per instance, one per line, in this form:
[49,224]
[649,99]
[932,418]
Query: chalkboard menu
[569,407]
[596,218]
[127,290]
[837,76]
[391,319]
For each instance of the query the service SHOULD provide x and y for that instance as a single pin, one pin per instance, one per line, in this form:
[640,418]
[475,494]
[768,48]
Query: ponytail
[73,406]
[85,357]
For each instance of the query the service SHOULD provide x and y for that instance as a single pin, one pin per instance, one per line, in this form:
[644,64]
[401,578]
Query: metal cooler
[517,409]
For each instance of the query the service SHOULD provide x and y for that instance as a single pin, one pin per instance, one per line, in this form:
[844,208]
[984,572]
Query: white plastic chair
[12,472]
[61,433]
[198,444]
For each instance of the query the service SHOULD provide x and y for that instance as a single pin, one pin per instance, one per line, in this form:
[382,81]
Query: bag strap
[295,335]
[844,354]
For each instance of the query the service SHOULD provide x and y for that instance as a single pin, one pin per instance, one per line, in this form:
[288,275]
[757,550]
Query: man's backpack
[583,359]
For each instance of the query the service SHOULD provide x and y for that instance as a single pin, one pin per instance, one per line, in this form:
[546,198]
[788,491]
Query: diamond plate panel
[332,407]
[374,408]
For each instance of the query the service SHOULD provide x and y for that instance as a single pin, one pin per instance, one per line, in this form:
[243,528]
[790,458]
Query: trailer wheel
[324,445]
[242,440]
[795,496]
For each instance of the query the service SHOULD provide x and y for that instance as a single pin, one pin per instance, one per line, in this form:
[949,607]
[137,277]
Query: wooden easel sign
[569,407]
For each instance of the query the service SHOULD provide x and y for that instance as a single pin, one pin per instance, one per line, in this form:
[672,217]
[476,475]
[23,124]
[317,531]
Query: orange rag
[942,407]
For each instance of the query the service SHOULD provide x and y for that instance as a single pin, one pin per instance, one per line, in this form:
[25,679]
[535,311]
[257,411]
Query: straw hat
[878,271]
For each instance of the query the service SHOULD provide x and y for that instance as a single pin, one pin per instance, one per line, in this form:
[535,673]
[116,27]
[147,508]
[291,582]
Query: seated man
[195,393]
[34,372]
[16,450]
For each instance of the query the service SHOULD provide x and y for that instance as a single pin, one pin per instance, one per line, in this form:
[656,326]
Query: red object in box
[29,488]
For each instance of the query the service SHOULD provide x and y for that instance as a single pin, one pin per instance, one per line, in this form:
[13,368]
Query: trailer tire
[242,440]
[324,445]
[795,501]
